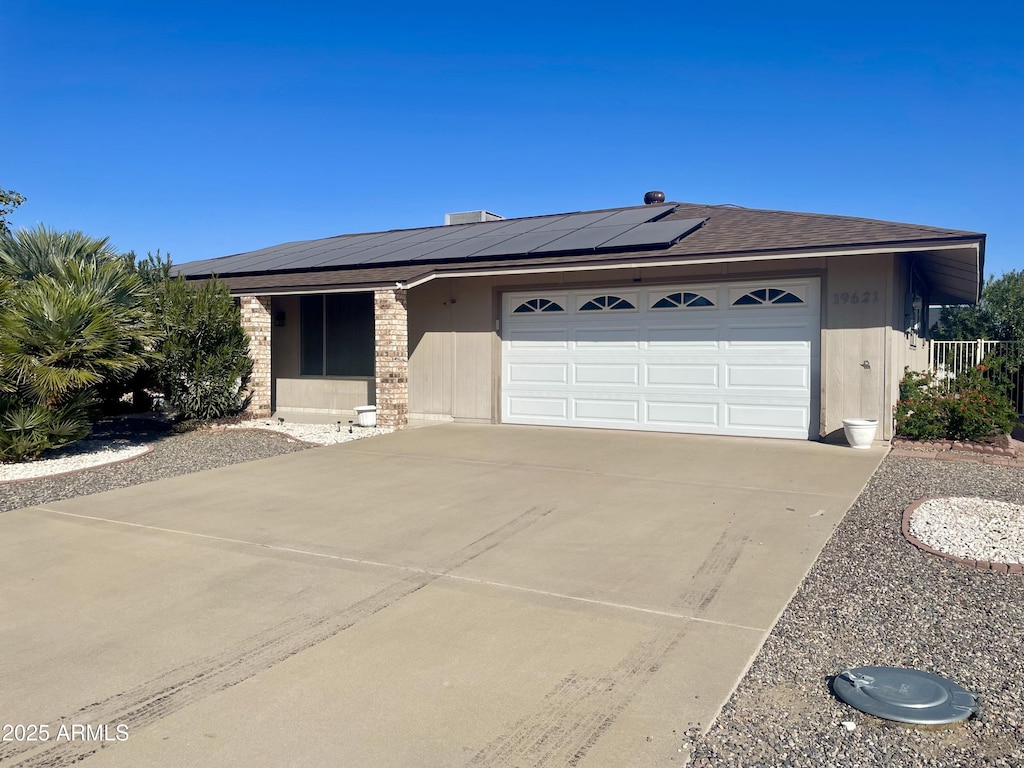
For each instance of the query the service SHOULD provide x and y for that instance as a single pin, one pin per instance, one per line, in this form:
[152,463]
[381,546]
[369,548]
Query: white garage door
[727,359]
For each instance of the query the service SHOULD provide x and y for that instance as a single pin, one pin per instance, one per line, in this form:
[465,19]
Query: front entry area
[733,358]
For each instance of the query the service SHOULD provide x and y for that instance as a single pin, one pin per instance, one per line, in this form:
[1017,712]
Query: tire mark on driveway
[578,710]
[708,579]
[176,689]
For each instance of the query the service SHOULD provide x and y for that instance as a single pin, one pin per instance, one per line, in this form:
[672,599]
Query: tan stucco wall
[454,347]
[854,342]
[454,366]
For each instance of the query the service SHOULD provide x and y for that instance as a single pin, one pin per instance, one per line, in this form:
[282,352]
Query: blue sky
[208,128]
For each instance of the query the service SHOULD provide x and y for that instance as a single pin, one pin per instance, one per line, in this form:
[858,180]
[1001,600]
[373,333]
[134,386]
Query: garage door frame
[771,375]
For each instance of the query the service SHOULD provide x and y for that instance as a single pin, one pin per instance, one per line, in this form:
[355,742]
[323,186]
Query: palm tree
[74,314]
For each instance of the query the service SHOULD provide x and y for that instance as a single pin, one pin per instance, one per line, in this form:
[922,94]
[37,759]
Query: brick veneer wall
[256,324]
[391,341]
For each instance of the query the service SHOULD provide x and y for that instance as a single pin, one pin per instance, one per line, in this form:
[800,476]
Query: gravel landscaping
[172,454]
[872,599]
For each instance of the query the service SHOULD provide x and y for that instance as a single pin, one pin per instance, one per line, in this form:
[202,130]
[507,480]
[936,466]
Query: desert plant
[204,365]
[68,324]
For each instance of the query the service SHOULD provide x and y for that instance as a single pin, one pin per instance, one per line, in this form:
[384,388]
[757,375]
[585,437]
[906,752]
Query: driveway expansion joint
[432,574]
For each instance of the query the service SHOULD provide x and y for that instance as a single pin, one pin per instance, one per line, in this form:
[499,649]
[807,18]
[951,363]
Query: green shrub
[973,408]
[920,411]
[203,364]
[979,407]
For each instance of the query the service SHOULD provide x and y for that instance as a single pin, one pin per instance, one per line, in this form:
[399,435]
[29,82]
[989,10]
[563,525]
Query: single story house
[672,317]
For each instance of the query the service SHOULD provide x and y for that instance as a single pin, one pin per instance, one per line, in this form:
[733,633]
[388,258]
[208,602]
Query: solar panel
[638,215]
[524,243]
[657,234]
[341,251]
[519,226]
[575,221]
[461,249]
[423,242]
[573,232]
[584,239]
[288,254]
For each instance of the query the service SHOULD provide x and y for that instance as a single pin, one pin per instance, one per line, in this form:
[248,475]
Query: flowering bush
[972,408]
[921,412]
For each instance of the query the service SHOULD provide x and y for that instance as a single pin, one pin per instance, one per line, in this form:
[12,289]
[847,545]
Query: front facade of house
[674,317]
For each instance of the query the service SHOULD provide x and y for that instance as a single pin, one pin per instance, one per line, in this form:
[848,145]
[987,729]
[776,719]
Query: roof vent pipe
[653,197]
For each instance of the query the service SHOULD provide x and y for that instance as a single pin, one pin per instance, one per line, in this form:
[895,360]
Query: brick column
[256,324]
[391,341]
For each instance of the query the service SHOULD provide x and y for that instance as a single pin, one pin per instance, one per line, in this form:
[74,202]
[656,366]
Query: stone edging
[984,565]
[149,450]
[953,451]
[956,445]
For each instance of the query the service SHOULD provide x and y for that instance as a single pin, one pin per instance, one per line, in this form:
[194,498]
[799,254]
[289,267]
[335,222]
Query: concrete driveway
[464,595]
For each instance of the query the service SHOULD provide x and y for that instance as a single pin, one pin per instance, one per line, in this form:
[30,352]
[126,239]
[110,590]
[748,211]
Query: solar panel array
[629,228]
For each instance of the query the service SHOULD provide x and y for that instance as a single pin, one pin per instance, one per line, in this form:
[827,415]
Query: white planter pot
[860,432]
[366,415]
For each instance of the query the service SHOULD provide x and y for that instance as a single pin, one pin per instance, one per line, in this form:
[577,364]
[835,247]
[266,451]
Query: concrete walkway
[455,596]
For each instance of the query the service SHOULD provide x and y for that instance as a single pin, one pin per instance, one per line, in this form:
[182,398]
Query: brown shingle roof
[729,230]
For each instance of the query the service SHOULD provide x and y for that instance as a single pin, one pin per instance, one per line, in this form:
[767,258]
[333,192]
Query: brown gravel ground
[173,454]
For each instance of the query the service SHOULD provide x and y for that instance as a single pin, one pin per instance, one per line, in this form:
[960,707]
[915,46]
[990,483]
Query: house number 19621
[854,297]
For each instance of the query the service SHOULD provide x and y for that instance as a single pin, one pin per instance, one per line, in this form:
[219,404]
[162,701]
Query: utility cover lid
[905,695]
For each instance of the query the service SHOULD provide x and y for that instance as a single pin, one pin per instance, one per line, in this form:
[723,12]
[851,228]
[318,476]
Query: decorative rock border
[148,450]
[956,445]
[984,565]
[1009,455]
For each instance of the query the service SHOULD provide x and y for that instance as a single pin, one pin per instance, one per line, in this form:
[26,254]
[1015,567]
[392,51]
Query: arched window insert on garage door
[606,303]
[767,296]
[681,300]
[538,305]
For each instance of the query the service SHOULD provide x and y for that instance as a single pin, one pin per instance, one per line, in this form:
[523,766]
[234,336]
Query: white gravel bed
[321,434]
[82,455]
[981,529]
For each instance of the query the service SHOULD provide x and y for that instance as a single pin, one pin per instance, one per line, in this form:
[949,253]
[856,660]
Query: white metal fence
[948,358]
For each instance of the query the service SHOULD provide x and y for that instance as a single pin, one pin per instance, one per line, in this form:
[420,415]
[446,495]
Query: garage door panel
[766,416]
[791,378]
[682,375]
[625,338]
[768,336]
[519,407]
[538,338]
[602,410]
[744,370]
[693,337]
[606,373]
[683,415]
[538,373]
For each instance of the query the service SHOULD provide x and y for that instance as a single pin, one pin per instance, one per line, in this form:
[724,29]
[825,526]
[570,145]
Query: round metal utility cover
[905,695]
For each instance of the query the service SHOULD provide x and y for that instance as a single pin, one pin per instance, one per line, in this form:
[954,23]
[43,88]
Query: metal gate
[949,358]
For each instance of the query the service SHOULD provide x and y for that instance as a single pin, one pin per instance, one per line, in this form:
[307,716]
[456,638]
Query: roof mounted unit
[470,217]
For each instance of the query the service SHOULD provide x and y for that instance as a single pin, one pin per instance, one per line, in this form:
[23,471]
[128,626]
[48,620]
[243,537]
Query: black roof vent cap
[653,197]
